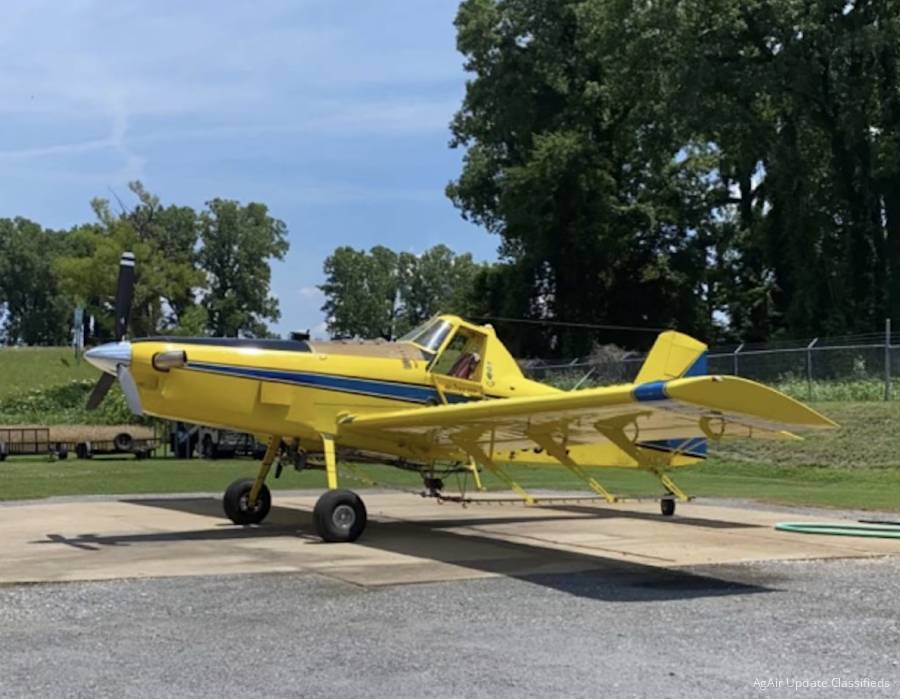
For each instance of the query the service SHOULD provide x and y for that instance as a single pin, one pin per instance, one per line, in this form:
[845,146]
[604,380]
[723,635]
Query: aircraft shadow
[582,575]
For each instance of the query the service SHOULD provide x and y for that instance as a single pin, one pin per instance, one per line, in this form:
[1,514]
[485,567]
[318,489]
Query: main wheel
[667,507]
[237,502]
[340,515]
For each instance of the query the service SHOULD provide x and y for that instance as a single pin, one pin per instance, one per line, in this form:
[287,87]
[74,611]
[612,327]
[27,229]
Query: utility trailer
[30,441]
[122,443]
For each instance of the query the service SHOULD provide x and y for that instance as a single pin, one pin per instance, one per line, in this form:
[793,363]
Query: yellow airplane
[446,398]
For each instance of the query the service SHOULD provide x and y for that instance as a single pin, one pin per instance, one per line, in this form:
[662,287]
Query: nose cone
[107,358]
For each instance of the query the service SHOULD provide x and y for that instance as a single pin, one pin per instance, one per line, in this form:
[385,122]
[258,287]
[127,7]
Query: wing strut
[558,452]
[477,454]
[648,460]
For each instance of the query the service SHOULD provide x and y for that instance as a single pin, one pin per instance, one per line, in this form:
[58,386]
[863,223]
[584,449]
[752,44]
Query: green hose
[878,531]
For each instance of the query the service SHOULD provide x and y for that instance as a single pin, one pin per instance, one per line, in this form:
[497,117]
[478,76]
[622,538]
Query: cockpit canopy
[430,335]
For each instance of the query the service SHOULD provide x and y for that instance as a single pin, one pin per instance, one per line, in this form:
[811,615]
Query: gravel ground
[628,631]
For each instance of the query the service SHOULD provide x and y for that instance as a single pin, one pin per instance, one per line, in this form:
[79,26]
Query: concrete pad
[409,539]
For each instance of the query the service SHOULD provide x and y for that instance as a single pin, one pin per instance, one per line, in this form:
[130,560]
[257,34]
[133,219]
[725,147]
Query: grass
[867,438]
[875,489]
[28,368]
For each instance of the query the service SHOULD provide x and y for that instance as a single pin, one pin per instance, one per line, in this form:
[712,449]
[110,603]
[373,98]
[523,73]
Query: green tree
[361,292]
[34,310]
[166,278]
[383,293]
[574,168]
[437,281]
[238,243]
[727,166]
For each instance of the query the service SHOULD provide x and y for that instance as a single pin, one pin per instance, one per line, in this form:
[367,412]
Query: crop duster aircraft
[446,398]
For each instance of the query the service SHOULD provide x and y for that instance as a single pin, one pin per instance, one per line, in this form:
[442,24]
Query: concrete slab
[409,540]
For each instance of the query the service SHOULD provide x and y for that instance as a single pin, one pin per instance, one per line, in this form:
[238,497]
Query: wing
[651,414]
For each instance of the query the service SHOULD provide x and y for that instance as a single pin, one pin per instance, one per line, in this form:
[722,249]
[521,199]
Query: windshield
[429,336]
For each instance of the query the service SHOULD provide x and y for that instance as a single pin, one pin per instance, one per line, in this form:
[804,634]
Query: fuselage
[301,389]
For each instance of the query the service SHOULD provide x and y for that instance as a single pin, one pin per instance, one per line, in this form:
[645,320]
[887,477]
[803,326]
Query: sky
[334,113]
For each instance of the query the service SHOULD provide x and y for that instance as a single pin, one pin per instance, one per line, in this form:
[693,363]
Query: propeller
[114,358]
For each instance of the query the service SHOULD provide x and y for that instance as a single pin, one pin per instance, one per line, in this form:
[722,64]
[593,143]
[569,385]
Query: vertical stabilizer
[673,355]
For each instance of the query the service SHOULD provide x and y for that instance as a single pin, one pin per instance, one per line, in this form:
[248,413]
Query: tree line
[384,294]
[727,167]
[199,272]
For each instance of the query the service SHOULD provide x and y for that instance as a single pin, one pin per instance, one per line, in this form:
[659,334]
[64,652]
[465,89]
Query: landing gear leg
[339,515]
[248,501]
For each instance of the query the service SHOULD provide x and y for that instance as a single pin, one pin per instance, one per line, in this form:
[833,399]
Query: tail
[673,356]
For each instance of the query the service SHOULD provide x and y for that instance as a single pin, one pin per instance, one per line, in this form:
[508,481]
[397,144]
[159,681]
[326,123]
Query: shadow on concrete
[581,574]
[614,513]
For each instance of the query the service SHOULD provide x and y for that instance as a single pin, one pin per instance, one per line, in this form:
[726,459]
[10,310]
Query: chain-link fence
[848,367]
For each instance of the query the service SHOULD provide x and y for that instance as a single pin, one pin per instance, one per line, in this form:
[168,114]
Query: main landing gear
[339,515]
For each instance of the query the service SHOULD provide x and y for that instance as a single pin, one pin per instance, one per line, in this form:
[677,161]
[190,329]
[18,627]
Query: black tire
[82,451]
[123,442]
[667,507]
[62,454]
[236,503]
[141,454]
[340,516]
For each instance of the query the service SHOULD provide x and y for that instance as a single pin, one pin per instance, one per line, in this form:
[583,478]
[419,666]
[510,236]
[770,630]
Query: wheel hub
[344,517]
[245,504]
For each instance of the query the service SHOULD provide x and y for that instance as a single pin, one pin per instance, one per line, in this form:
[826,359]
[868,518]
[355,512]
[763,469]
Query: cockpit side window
[461,357]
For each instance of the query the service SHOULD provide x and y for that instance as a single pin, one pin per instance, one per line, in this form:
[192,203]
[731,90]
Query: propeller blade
[129,388]
[101,388]
[124,293]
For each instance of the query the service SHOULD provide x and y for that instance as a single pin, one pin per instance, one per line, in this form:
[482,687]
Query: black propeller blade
[124,294]
[101,388]
[124,297]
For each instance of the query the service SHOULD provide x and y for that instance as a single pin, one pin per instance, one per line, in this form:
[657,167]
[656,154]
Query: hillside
[24,369]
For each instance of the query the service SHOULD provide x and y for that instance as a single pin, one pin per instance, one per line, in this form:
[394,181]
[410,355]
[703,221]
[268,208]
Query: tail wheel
[237,502]
[340,516]
[667,507]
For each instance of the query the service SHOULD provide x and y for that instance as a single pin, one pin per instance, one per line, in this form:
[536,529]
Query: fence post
[739,348]
[809,371]
[887,358]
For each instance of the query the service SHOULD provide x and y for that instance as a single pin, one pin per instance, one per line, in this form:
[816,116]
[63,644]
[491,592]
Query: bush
[64,404]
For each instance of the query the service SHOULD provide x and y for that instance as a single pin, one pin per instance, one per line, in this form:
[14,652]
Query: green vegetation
[382,293]
[847,391]
[867,439]
[829,487]
[198,272]
[27,369]
[729,167]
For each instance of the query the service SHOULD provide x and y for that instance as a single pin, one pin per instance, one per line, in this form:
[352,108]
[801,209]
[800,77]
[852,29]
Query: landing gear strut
[340,516]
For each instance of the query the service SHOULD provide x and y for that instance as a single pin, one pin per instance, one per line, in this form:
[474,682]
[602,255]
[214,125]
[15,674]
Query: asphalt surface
[626,631]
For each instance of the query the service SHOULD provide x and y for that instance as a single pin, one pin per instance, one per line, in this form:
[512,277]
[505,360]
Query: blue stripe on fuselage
[410,393]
